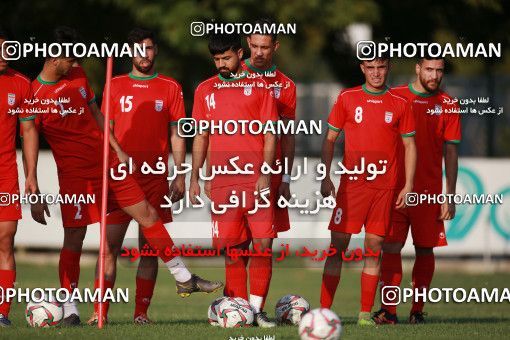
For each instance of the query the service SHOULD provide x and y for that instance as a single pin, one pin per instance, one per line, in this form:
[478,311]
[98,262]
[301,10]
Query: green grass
[179,318]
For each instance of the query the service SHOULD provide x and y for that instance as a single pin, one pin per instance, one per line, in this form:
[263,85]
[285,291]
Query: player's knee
[424,251]
[392,248]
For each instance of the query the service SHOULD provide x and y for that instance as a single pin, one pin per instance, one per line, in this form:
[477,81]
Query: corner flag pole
[104,195]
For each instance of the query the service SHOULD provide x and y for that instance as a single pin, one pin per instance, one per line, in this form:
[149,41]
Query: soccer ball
[212,311]
[290,308]
[320,323]
[234,312]
[44,313]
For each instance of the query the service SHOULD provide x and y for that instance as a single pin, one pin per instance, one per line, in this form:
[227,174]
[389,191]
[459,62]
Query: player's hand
[177,188]
[327,187]
[400,203]
[194,191]
[263,183]
[40,208]
[207,189]
[124,158]
[447,211]
[284,190]
[31,185]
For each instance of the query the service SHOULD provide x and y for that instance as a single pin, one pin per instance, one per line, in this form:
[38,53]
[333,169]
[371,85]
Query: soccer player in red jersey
[438,132]
[219,99]
[145,108]
[72,127]
[262,50]
[14,90]
[374,120]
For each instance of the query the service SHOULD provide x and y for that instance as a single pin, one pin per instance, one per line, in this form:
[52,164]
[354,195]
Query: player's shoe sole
[262,321]
[365,319]
[383,317]
[72,320]
[197,284]
[94,320]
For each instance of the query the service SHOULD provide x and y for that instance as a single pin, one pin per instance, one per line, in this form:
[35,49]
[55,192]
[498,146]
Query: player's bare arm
[410,168]
[199,152]
[451,158]
[328,148]
[30,156]
[99,117]
[288,144]
[178,185]
[269,157]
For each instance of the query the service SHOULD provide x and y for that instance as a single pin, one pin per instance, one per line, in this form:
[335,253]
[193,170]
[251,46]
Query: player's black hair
[3,34]
[220,43]
[65,35]
[266,22]
[137,35]
[427,56]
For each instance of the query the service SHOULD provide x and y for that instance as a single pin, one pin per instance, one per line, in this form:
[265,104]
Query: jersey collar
[421,94]
[378,93]
[256,69]
[44,82]
[132,76]
[243,75]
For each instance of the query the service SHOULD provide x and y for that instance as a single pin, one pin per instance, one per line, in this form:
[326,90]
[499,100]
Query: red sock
[144,291]
[391,274]
[423,271]
[7,278]
[368,290]
[328,289]
[261,269]
[235,278]
[159,239]
[69,269]
[106,304]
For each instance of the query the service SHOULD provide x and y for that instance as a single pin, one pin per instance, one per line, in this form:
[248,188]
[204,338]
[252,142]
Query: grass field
[179,318]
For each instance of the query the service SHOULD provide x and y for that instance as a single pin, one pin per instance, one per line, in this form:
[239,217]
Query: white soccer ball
[320,323]
[212,311]
[44,314]
[290,308]
[234,312]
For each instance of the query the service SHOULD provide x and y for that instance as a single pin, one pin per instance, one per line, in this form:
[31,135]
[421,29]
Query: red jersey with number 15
[436,124]
[142,109]
[219,100]
[373,124]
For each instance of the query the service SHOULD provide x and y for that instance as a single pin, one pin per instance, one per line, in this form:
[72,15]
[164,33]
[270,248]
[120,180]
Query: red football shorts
[236,224]
[427,229]
[154,190]
[363,206]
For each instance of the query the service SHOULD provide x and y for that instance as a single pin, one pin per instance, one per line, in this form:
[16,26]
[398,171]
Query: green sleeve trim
[92,100]
[410,134]
[333,128]
[174,123]
[453,141]
[27,118]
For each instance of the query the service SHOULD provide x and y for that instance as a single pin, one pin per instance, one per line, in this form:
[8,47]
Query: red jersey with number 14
[219,100]
[373,124]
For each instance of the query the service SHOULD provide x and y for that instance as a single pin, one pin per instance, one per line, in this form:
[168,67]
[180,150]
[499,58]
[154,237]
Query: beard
[226,72]
[430,86]
[144,69]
